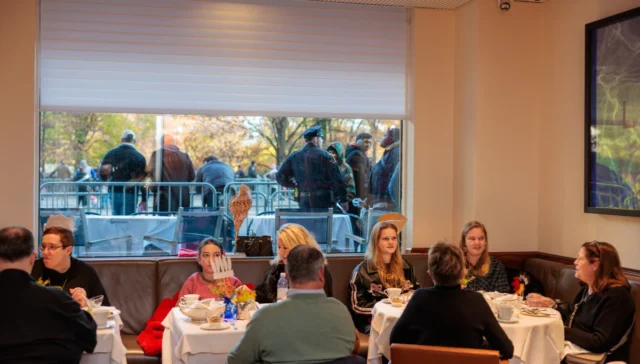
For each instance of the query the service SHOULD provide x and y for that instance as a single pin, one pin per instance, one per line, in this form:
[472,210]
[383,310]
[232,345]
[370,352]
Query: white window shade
[269,58]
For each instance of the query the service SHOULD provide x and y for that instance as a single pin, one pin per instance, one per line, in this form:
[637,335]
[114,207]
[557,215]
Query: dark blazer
[450,316]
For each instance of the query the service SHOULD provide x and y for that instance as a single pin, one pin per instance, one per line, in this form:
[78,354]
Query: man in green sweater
[307,327]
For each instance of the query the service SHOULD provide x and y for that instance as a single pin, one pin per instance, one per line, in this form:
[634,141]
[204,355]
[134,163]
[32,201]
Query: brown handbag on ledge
[254,246]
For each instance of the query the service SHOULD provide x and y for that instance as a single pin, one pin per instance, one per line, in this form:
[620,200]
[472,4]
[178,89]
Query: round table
[536,340]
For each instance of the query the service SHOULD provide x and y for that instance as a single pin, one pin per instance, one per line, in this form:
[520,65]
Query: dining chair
[192,226]
[410,354]
[368,217]
[317,221]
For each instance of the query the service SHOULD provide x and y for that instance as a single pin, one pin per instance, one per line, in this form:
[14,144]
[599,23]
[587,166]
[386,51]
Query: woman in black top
[58,269]
[382,268]
[603,311]
[447,315]
[484,272]
[289,236]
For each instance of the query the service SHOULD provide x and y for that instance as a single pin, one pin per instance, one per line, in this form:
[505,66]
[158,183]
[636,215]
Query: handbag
[254,246]
[593,358]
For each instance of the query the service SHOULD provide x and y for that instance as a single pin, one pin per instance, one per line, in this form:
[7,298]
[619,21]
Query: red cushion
[150,339]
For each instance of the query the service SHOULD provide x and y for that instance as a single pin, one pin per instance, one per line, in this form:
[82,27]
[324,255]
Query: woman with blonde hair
[484,272]
[288,237]
[382,268]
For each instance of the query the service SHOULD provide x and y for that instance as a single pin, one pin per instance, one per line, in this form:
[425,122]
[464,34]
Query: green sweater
[304,328]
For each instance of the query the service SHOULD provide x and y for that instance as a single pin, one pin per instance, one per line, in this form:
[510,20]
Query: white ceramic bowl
[196,311]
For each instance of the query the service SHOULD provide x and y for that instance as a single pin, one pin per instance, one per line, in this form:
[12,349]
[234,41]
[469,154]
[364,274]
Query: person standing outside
[252,170]
[216,173]
[358,160]
[125,164]
[315,173]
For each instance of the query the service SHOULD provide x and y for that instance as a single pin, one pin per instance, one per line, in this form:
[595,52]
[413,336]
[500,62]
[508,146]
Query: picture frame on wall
[612,115]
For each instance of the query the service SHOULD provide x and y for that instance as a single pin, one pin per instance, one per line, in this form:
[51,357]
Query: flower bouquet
[245,300]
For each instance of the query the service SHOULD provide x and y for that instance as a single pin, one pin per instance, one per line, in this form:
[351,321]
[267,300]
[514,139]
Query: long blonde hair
[394,275]
[292,235]
[481,268]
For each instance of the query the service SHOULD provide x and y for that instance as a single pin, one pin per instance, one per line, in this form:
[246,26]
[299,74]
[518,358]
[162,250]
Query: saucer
[535,312]
[512,321]
[386,300]
[223,326]
[110,324]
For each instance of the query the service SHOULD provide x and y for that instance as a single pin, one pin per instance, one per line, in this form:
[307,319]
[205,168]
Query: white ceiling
[431,4]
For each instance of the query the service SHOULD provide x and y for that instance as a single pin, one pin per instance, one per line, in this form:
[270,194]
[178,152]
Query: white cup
[100,315]
[506,311]
[393,292]
[190,298]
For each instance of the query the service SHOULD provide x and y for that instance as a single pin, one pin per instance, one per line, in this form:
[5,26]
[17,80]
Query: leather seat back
[131,287]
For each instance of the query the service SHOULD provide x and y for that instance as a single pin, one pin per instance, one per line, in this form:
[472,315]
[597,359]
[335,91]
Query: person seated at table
[37,324]
[202,282]
[307,327]
[289,236]
[484,272]
[57,268]
[447,315]
[603,311]
[382,268]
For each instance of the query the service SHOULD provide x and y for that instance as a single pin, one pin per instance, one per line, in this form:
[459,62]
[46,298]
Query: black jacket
[601,321]
[382,172]
[41,324]
[366,290]
[450,316]
[267,291]
[359,163]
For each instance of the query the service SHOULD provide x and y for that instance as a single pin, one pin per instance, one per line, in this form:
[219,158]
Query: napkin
[216,308]
[507,297]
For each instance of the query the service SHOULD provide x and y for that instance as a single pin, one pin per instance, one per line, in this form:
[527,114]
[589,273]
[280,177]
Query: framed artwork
[612,115]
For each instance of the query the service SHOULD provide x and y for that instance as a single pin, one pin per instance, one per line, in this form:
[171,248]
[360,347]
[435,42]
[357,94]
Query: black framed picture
[612,115]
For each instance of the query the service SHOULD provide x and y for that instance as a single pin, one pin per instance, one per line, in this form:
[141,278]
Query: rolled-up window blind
[268,58]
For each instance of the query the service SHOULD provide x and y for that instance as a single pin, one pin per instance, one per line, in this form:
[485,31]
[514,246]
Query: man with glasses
[37,324]
[315,174]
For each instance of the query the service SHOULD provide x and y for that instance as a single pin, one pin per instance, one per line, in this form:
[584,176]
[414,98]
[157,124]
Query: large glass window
[148,185]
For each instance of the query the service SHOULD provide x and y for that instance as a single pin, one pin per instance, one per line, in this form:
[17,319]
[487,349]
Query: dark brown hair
[66,236]
[609,272]
[446,263]
[481,268]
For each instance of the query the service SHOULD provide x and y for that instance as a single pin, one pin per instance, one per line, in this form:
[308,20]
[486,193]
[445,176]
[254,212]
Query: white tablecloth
[266,225]
[536,340]
[103,227]
[109,348]
[184,341]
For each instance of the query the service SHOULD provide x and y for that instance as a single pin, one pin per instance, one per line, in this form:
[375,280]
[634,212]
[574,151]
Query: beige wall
[18,24]
[563,224]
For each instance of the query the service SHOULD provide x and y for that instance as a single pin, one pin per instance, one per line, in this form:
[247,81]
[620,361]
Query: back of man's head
[304,263]
[128,137]
[16,243]
[209,158]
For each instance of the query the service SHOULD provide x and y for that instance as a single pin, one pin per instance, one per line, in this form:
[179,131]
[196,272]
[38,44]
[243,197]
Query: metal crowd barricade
[100,196]
[283,199]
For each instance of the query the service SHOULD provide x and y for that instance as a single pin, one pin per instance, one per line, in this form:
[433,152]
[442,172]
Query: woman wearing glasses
[603,311]
[57,268]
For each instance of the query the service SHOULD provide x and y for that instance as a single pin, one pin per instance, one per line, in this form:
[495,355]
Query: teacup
[190,298]
[393,292]
[100,315]
[506,311]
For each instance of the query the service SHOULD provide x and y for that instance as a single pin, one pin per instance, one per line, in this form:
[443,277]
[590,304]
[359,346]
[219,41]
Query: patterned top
[216,289]
[494,281]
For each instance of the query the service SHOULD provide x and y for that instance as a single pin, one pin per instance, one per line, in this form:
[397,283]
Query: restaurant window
[191,80]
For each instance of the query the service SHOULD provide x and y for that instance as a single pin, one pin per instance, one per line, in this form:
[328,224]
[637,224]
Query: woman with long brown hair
[382,268]
[484,272]
[603,311]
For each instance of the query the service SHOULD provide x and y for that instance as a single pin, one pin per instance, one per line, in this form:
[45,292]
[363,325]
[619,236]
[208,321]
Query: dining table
[184,341]
[536,339]
[109,347]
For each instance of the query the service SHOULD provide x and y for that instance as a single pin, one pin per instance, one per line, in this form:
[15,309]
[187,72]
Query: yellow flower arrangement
[467,279]
[244,295]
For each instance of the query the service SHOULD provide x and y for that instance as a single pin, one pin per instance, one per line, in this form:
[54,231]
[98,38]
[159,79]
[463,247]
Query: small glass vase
[245,310]
[230,309]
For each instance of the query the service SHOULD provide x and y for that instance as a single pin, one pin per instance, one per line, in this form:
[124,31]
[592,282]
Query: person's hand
[537,300]
[142,207]
[345,206]
[79,295]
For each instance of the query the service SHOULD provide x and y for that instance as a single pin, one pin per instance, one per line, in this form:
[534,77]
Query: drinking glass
[95,302]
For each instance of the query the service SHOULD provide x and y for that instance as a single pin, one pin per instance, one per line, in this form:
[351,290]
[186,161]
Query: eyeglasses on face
[44,248]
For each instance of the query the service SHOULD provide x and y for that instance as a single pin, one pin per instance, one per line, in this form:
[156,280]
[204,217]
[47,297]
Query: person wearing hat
[124,164]
[315,173]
